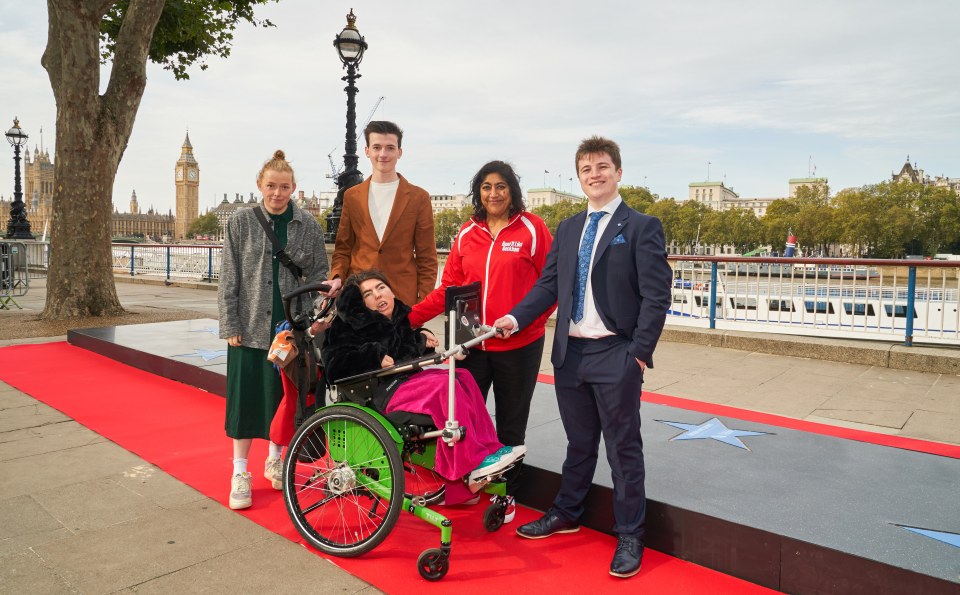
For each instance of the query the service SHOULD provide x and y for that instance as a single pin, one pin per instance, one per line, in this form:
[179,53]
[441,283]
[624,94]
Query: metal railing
[180,261]
[892,300]
[14,273]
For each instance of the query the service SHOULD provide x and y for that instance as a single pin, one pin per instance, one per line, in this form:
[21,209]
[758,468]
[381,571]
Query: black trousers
[598,393]
[513,375]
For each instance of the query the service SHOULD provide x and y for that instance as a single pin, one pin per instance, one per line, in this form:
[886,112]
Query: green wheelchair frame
[349,471]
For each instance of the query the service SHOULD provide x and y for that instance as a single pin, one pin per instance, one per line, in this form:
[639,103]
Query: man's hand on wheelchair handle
[386,362]
[505,326]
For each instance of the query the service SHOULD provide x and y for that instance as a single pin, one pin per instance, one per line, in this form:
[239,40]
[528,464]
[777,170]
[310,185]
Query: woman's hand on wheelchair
[318,327]
[432,341]
[386,362]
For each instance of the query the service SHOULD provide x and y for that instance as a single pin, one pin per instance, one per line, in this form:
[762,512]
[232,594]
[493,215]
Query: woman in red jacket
[504,247]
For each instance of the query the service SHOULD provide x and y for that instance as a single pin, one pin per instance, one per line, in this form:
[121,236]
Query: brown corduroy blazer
[408,253]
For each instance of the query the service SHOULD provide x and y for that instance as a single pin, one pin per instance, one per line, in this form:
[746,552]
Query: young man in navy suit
[607,271]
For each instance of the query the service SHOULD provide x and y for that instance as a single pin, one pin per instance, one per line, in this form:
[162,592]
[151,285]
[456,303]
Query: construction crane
[334,170]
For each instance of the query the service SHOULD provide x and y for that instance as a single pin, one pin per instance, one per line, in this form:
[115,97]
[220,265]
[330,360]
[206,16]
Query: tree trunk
[92,134]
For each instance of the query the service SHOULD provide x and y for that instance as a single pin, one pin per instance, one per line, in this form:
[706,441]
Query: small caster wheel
[433,565]
[493,516]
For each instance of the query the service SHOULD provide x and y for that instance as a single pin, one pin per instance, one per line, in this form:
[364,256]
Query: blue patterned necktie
[583,264]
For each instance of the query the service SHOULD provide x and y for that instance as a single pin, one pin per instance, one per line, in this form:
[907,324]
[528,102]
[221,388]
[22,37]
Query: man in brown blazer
[387,223]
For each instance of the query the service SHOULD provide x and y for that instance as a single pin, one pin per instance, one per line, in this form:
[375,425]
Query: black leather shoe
[546,526]
[626,560]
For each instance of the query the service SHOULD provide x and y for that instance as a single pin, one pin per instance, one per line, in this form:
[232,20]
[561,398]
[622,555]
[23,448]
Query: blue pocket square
[619,239]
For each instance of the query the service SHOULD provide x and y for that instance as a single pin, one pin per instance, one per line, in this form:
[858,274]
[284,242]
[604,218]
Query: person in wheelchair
[372,331]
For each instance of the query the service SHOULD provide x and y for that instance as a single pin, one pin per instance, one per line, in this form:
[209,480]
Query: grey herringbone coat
[245,293]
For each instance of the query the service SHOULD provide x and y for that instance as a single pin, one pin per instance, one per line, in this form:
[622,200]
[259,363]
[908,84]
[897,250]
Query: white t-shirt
[381,202]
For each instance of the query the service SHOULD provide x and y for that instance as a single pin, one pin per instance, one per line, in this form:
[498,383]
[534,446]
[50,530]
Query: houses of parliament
[150,225]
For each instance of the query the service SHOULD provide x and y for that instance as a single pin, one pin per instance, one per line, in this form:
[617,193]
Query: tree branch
[130,57]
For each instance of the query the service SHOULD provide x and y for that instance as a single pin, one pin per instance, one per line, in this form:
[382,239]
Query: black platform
[795,511]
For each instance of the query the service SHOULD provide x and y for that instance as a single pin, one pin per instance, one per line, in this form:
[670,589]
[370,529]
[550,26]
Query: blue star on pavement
[206,354]
[713,430]
[948,538]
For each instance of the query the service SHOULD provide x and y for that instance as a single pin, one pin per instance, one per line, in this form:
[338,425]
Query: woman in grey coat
[251,283]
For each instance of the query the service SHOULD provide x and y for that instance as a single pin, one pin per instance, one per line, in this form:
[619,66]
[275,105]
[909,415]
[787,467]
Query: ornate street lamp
[18,227]
[350,47]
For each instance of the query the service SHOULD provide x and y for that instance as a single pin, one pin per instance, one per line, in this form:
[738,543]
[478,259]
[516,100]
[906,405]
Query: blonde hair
[277,163]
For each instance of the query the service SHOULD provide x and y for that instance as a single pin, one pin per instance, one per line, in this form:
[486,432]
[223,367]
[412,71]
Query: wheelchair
[350,469]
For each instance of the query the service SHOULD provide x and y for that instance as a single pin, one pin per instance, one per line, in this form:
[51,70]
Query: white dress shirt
[591,325]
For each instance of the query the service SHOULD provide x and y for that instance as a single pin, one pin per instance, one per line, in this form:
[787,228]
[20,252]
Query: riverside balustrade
[890,300]
[170,261]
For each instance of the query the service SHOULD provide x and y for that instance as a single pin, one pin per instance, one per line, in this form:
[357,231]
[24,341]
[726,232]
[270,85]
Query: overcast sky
[763,90]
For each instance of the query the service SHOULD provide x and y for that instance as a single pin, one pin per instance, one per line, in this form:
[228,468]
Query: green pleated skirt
[254,391]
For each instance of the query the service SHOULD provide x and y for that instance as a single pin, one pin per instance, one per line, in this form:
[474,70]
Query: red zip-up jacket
[506,267]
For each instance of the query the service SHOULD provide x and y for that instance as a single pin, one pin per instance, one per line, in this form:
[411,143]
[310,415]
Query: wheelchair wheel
[433,564]
[422,482]
[343,481]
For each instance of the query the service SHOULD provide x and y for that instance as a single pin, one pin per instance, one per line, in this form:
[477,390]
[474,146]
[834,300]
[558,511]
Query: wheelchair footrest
[475,484]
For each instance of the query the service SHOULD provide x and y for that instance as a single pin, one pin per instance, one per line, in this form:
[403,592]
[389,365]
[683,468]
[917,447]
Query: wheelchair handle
[419,363]
[310,288]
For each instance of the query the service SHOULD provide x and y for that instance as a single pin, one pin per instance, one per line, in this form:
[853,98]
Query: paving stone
[934,425]
[139,550]
[25,572]
[44,439]
[30,415]
[63,467]
[281,567]
[95,504]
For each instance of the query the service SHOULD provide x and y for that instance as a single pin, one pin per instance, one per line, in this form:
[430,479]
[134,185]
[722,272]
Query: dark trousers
[598,393]
[513,375]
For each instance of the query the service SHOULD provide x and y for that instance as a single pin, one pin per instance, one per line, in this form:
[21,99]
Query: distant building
[715,195]
[796,183]
[150,225]
[718,197]
[911,173]
[226,209]
[442,202]
[187,174]
[538,197]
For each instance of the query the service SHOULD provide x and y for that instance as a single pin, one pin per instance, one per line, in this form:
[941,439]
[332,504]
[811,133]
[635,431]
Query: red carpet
[159,419]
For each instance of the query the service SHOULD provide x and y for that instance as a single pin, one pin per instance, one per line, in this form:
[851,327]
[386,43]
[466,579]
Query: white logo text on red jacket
[511,246]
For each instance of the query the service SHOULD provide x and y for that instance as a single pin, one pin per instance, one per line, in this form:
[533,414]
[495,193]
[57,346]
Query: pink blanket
[426,393]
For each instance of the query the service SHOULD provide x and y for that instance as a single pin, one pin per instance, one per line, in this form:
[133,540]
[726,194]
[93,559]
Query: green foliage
[322,218]
[446,224]
[637,197]
[204,225]
[552,215]
[187,32]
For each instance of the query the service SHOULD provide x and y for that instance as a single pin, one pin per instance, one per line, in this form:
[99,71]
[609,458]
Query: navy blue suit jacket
[631,281]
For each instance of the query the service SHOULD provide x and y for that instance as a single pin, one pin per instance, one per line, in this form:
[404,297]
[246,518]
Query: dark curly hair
[513,183]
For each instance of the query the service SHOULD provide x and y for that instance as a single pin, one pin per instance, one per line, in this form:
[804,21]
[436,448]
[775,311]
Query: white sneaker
[273,470]
[240,496]
[511,511]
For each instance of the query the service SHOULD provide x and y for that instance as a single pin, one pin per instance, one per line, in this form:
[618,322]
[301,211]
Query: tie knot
[594,217]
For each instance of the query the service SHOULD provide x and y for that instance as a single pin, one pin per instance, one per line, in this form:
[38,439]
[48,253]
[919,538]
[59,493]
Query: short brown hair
[277,163]
[597,144]
[383,127]
[361,276]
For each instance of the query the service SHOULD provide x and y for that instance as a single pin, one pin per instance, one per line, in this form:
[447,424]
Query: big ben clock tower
[187,175]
